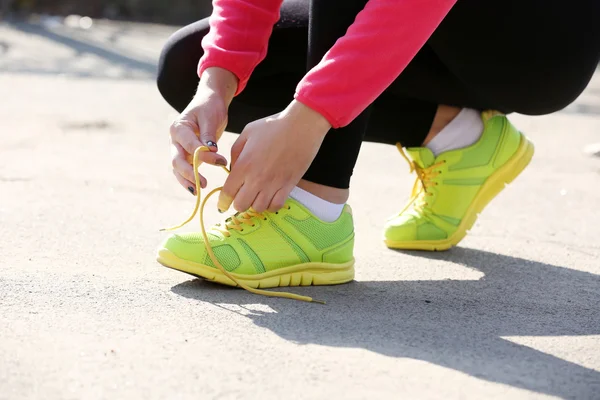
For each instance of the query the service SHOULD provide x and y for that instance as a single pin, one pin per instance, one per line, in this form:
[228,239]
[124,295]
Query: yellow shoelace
[234,222]
[423,182]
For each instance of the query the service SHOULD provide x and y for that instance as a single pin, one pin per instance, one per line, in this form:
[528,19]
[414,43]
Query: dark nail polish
[211,144]
[191,189]
[221,211]
[221,162]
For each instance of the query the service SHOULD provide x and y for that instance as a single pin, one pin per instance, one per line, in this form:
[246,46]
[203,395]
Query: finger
[237,148]
[262,201]
[184,132]
[244,198]
[189,186]
[183,167]
[208,158]
[232,185]
[278,200]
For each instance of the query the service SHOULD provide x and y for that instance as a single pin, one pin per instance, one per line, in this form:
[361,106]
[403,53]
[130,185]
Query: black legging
[528,56]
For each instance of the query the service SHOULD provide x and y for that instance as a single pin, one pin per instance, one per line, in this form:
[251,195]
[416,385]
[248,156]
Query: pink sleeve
[238,36]
[377,47]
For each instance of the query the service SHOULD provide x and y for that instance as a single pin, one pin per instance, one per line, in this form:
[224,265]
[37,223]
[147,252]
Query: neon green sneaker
[290,247]
[452,189]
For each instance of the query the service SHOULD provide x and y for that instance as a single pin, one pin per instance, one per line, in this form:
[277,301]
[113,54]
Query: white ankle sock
[322,209]
[464,130]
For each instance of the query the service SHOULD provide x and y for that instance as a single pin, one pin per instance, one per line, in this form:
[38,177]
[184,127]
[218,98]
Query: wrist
[219,81]
[301,112]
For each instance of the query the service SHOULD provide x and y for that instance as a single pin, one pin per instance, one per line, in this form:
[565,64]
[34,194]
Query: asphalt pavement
[87,313]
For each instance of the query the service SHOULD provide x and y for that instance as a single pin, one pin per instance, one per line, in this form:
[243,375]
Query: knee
[176,77]
[544,92]
[162,75]
[556,96]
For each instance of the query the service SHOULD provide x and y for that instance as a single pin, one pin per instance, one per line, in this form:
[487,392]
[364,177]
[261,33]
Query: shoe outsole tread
[309,274]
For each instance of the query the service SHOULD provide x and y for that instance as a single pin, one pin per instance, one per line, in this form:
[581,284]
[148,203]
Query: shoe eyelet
[264,219]
[276,212]
[252,226]
[241,230]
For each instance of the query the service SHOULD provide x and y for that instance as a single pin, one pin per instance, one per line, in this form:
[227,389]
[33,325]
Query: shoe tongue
[422,156]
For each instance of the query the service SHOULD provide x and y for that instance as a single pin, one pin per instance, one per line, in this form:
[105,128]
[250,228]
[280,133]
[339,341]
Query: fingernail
[211,144]
[191,189]
[221,211]
[221,162]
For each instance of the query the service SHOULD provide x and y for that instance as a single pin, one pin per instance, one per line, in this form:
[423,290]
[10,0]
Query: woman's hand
[270,157]
[202,123]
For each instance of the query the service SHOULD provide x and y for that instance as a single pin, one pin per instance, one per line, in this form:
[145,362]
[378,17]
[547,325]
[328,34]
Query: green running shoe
[453,188]
[290,247]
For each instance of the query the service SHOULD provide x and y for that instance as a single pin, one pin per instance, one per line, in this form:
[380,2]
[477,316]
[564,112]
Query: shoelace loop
[234,222]
[425,180]
[237,222]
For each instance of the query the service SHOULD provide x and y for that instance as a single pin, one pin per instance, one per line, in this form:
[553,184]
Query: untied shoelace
[234,222]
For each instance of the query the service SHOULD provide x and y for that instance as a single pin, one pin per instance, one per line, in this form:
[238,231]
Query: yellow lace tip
[318,301]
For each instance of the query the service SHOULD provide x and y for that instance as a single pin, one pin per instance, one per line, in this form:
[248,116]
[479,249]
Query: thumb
[208,133]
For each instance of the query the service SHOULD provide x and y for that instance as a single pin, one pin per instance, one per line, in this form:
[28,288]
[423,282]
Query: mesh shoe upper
[269,241]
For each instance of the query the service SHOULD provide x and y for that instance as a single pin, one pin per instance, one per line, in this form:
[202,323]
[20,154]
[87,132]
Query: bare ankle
[331,194]
[444,115]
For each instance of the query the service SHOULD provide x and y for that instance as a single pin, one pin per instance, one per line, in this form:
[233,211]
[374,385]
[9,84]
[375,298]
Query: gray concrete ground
[86,312]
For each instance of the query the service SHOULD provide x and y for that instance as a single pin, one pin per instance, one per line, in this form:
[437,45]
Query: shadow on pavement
[133,66]
[451,323]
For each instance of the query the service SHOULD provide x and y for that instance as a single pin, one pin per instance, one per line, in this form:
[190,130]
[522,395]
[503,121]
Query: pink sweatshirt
[377,47]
